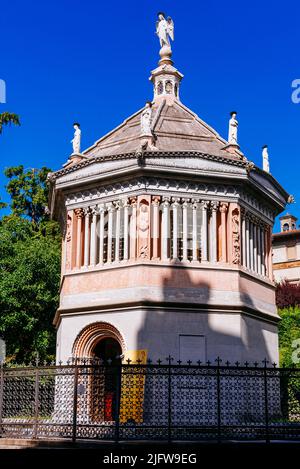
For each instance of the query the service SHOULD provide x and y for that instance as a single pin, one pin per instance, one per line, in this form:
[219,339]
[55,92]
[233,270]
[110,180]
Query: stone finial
[265,156]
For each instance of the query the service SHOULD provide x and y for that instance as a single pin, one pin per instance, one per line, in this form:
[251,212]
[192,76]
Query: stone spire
[165,77]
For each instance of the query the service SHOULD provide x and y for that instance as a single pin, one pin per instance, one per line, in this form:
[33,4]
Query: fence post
[118,401]
[1,395]
[170,359]
[218,360]
[265,362]
[36,401]
[75,398]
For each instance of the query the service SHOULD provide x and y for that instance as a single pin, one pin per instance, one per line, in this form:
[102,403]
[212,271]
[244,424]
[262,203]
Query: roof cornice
[161,154]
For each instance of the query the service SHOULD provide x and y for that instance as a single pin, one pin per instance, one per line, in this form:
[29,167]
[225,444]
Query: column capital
[110,207]
[87,211]
[205,204]
[133,201]
[195,204]
[243,212]
[94,210]
[155,200]
[124,203]
[185,202]
[79,212]
[223,207]
[214,206]
[117,204]
[101,208]
[166,201]
[175,201]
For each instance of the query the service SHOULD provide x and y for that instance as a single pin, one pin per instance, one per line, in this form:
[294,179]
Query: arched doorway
[108,349]
[105,387]
[104,343]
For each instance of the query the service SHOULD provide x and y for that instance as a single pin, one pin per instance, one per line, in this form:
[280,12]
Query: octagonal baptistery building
[166,241]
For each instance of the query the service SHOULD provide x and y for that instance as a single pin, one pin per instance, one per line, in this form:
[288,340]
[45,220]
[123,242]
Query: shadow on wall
[186,327]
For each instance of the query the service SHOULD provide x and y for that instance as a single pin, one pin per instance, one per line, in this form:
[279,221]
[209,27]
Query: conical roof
[175,127]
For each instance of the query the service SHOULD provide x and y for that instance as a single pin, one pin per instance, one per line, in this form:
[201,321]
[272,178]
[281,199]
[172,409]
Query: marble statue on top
[233,128]
[164,30]
[146,118]
[266,162]
[77,138]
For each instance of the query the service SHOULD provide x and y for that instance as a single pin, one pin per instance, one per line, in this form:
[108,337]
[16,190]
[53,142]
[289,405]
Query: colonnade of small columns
[165,229]
[256,245]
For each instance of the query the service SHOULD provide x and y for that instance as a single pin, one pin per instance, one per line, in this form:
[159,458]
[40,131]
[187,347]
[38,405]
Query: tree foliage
[30,246]
[8,118]
[28,191]
[289,331]
[287,295]
[29,287]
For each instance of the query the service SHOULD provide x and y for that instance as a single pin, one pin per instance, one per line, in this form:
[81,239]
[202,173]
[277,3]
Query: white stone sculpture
[77,138]
[146,119]
[265,155]
[165,30]
[233,127]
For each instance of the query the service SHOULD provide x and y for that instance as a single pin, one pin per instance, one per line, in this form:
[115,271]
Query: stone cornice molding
[157,154]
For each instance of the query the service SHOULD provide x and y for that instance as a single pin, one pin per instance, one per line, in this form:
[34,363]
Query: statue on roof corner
[146,119]
[233,128]
[265,155]
[77,138]
[164,30]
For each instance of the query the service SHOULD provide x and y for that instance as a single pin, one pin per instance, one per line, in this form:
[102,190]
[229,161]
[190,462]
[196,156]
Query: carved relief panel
[143,227]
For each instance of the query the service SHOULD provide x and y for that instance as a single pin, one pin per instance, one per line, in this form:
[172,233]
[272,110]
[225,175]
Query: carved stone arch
[90,335]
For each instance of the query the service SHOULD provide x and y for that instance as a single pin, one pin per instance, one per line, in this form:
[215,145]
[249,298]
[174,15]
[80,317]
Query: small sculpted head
[233,114]
[76,125]
[161,15]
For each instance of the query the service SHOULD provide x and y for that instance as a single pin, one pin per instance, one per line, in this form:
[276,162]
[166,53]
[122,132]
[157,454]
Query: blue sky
[66,61]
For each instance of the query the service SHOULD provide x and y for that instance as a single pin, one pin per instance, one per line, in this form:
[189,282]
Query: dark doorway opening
[106,383]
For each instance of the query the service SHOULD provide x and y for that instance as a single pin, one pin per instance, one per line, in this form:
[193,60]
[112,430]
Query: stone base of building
[159,332]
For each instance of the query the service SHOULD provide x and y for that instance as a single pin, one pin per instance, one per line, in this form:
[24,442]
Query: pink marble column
[155,226]
[79,216]
[132,231]
[223,210]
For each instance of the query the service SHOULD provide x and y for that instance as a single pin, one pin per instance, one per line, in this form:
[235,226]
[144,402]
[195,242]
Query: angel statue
[164,29]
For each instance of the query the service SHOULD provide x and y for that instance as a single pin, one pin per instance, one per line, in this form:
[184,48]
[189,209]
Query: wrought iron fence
[153,401]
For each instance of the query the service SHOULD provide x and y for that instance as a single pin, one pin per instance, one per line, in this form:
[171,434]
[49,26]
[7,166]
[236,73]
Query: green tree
[289,330]
[29,287]
[8,118]
[28,191]
[30,249]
